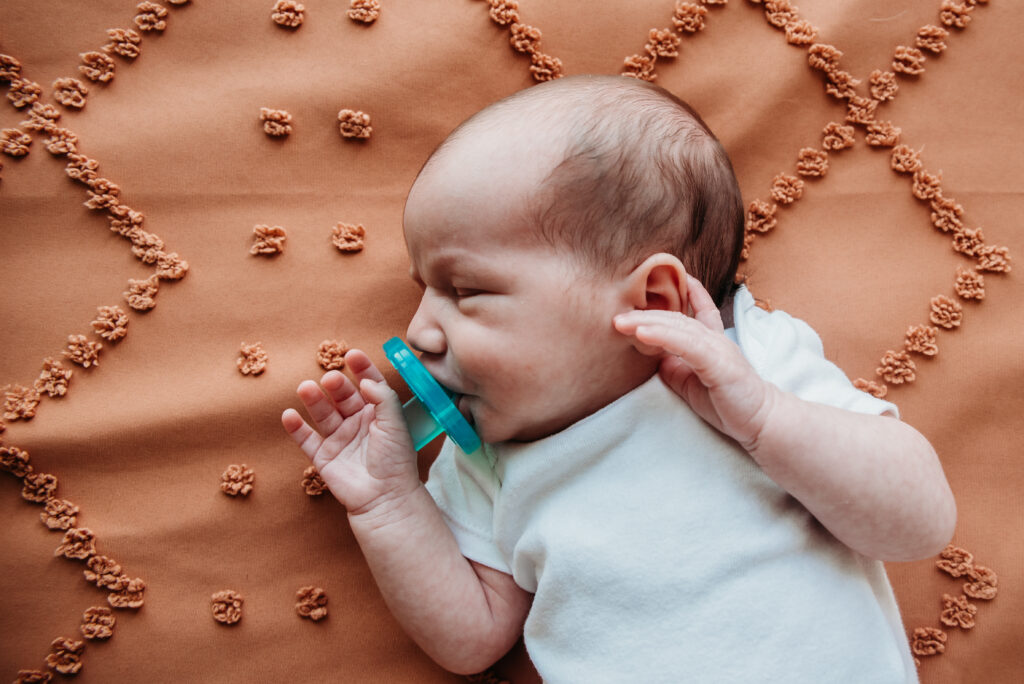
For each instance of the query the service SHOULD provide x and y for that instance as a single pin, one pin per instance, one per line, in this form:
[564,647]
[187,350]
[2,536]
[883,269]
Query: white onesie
[658,551]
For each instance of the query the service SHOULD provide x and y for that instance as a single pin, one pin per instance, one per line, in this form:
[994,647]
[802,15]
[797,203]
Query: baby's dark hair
[641,173]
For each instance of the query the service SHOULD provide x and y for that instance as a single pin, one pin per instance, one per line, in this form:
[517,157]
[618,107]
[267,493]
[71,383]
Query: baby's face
[506,322]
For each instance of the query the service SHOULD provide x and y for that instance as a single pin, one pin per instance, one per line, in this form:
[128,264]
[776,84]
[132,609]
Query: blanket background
[139,442]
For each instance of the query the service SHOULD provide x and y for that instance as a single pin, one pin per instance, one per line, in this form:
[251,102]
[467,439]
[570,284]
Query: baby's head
[543,216]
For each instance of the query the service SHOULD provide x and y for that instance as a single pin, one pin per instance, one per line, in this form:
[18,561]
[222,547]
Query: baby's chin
[503,425]
[493,429]
[488,427]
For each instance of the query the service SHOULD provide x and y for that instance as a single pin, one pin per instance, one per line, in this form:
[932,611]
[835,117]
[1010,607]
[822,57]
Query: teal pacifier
[431,411]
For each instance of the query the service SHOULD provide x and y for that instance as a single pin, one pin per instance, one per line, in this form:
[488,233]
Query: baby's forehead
[500,161]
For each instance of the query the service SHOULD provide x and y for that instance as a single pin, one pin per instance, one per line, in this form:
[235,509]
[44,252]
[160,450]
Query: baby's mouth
[462,403]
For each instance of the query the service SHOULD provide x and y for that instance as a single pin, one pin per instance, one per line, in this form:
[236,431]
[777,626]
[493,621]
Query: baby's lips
[462,403]
[448,387]
[458,398]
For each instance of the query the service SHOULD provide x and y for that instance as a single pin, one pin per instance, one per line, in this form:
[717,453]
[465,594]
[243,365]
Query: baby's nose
[425,334]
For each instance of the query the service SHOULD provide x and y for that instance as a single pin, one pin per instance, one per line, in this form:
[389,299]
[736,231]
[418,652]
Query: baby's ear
[659,282]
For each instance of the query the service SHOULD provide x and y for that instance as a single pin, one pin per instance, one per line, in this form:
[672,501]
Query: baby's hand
[703,366]
[362,450]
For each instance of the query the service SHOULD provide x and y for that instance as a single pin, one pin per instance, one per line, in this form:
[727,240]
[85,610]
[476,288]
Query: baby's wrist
[774,406]
[389,507]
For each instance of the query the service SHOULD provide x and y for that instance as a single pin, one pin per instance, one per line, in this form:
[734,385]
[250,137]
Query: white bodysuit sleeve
[464,488]
[787,352]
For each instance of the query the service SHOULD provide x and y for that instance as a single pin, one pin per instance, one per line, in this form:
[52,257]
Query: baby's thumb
[387,408]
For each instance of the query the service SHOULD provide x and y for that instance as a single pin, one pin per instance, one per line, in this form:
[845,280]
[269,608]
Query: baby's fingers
[704,309]
[306,437]
[319,406]
[376,391]
[659,325]
[362,367]
[711,356]
[679,338]
[343,393]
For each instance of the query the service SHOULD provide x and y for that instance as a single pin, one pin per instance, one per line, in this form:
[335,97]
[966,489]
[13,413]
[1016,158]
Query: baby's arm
[463,614]
[873,481]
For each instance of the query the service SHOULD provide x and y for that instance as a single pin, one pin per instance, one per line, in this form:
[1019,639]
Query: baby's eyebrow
[443,269]
[435,267]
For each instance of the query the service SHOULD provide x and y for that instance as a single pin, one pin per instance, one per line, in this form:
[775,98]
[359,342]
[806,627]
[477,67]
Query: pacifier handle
[431,410]
[423,427]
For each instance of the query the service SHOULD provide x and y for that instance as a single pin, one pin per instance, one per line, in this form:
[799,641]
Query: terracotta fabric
[140,441]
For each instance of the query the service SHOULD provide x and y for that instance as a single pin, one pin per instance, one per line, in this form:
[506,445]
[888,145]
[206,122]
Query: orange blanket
[196,195]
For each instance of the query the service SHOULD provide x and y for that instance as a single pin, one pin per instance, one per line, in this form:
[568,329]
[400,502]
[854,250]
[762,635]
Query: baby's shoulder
[787,352]
[770,336]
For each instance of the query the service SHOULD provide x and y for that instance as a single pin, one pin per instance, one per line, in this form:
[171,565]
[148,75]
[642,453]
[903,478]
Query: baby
[663,495]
